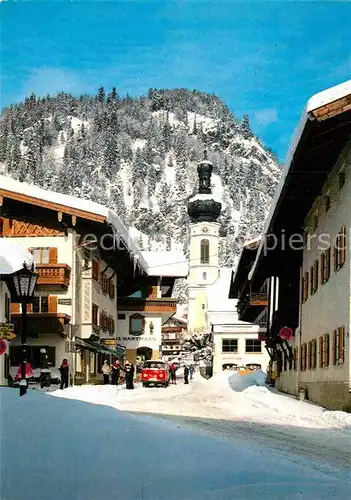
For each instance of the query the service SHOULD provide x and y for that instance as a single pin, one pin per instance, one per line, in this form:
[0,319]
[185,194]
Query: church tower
[204,247]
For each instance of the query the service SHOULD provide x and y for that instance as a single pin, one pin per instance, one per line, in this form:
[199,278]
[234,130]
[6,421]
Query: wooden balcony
[161,305]
[53,275]
[251,305]
[41,323]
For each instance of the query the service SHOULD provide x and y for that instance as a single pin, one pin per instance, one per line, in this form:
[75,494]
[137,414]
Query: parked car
[155,373]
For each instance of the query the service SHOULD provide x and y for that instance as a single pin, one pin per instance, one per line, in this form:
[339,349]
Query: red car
[155,373]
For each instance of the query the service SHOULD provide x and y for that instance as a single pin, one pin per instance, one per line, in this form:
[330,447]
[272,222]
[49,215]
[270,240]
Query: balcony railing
[53,274]
[161,305]
[42,323]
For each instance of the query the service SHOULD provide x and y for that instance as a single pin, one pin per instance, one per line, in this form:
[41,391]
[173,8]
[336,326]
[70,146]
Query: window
[324,350]
[342,179]
[327,203]
[304,286]
[312,354]
[340,249]
[303,357]
[325,266]
[41,255]
[295,358]
[204,252]
[204,276]
[40,305]
[95,270]
[338,346]
[121,316]
[95,315]
[314,277]
[136,324]
[33,355]
[229,345]
[138,294]
[253,345]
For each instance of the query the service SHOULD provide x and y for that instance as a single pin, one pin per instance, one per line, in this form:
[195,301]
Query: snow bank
[241,382]
[56,449]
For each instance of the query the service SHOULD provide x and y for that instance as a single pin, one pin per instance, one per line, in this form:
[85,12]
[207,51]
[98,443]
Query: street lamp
[24,282]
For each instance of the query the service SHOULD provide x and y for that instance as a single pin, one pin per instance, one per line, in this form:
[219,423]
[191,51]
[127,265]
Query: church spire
[203,207]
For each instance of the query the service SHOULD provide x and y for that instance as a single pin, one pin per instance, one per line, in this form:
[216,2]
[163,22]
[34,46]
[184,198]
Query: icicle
[135,263]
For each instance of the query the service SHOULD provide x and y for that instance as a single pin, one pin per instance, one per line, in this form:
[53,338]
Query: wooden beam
[30,200]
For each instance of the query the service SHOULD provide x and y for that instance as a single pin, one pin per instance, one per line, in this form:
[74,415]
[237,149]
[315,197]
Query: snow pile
[75,450]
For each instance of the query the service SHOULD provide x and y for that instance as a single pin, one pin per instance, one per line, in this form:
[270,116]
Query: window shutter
[52,303]
[53,255]
[334,347]
[341,343]
[15,308]
[327,265]
[320,352]
[327,349]
[342,242]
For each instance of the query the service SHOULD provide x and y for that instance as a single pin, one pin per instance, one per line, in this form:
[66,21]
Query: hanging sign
[286,333]
[6,331]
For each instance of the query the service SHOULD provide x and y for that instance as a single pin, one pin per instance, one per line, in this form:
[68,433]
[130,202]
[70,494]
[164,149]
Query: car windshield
[154,365]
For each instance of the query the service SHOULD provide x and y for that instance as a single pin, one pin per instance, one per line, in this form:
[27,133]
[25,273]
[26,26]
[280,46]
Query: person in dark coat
[116,371]
[129,373]
[186,375]
[64,374]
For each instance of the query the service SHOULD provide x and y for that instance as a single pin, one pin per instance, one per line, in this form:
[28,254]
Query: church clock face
[204,230]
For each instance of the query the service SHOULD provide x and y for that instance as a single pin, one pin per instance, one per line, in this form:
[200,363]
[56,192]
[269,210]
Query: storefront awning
[96,346]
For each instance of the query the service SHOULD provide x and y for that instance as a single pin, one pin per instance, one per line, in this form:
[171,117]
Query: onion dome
[203,208]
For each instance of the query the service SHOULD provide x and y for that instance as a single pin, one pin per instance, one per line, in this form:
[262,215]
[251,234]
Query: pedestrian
[186,375]
[172,370]
[191,371]
[116,371]
[106,372]
[129,373]
[64,373]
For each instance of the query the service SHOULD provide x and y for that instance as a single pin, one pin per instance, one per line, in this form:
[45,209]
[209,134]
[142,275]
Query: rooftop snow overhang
[246,259]
[322,133]
[78,209]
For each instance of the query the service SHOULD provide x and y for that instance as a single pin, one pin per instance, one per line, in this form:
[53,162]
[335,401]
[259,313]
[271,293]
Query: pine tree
[101,95]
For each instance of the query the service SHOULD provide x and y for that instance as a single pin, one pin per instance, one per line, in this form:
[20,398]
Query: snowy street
[202,440]
[211,442]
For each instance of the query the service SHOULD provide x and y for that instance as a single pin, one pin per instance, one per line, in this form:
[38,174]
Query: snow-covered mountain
[139,156]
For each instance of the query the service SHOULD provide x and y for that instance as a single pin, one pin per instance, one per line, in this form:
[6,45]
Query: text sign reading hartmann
[137,339]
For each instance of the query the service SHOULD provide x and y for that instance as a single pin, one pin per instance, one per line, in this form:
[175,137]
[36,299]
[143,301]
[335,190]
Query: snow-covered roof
[60,200]
[217,293]
[12,257]
[321,99]
[171,263]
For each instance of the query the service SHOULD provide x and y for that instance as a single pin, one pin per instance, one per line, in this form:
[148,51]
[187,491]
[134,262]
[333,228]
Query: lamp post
[24,282]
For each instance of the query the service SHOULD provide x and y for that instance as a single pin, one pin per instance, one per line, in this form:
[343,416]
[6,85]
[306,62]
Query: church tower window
[204,276]
[205,251]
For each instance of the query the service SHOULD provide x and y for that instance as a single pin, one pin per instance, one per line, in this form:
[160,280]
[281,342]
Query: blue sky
[263,58]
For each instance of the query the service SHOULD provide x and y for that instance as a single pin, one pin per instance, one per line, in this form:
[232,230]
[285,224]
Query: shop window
[136,324]
[205,252]
[253,345]
[33,355]
[229,345]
